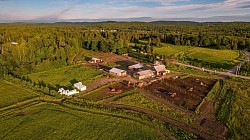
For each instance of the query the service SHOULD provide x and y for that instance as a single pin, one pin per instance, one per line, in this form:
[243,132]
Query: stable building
[67,92]
[117,72]
[80,86]
[144,74]
[161,70]
[136,66]
[95,60]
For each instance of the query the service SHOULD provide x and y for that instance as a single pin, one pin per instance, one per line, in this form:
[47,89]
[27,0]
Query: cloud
[244,7]
[57,15]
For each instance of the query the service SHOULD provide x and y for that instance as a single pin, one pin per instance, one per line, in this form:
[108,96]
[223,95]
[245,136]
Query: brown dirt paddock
[189,91]
[108,91]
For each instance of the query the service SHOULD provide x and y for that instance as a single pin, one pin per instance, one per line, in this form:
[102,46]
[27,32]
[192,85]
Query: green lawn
[210,58]
[11,94]
[49,121]
[66,76]
[137,99]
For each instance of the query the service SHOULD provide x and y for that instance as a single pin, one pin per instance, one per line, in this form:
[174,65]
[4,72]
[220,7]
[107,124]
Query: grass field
[206,57]
[49,121]
[11,94]
[66,76]
[169,49]
[137,99]
[233,108]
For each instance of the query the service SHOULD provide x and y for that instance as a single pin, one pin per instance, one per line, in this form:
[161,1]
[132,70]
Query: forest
[28,47]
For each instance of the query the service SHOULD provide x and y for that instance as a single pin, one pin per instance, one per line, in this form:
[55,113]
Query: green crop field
[137,99]
[66,76]
[11,94]
[233,107]
[205,57]
[50,121]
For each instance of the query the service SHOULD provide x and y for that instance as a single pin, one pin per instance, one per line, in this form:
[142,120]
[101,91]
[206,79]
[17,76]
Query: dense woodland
[46,46]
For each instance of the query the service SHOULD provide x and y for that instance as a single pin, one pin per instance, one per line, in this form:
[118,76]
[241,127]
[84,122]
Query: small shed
[117,72]
[144,74]
[161,70]
[136,66]
[80,86]
[95,60]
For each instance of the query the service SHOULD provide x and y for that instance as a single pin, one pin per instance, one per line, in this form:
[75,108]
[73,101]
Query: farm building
[80,86]
[144,74]
[117,72]
[161,70]
[136,66]
[67,92]
[95,60]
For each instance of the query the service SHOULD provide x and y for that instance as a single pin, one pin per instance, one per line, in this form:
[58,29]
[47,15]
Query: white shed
[80,86]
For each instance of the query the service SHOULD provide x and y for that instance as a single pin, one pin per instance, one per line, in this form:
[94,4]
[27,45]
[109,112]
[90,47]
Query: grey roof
[145,72]
[115,70]
[137,66]
[160,68]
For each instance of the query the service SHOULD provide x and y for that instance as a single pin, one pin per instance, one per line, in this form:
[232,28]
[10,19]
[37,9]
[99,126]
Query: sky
[112,9]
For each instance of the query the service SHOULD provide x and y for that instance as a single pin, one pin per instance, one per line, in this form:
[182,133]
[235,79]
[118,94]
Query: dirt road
[234,70]
[212,71]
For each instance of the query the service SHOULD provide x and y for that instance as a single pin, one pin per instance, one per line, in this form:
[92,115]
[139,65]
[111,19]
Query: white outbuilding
[80,86]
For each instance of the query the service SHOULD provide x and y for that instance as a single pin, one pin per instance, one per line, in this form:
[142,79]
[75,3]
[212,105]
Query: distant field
[49,121]
[169,49]
[66,76]
[211,58]
[11,94]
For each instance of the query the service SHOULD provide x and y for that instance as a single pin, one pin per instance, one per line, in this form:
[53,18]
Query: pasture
[189,91]
[107,91]
[204,57]
[66,76]
[137,99]
[50,121]
[11,94]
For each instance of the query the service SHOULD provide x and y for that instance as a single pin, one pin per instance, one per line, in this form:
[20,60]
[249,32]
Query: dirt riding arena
[188,92]
[109,91]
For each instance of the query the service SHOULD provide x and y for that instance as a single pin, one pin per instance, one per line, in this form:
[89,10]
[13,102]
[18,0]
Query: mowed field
[67,76]
[50,121]
[204,56]
[11,94]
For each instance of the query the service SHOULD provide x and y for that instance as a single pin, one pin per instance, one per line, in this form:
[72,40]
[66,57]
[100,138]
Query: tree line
[43,47]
